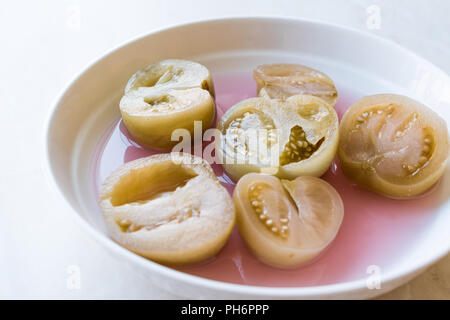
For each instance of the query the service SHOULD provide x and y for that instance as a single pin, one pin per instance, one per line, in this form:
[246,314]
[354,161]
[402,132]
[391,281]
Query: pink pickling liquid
[375,231]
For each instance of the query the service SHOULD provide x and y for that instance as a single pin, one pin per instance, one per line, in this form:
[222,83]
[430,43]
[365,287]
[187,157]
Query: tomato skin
[393,145]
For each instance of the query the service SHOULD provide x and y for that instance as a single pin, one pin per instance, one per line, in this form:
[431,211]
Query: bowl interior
[360,65]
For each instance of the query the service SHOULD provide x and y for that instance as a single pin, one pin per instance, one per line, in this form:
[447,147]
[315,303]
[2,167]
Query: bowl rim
[388,277]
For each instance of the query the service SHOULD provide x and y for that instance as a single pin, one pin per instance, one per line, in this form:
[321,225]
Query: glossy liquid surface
[375,230]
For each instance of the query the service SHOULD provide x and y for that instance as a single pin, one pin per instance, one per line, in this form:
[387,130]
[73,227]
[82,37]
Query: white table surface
[46,43]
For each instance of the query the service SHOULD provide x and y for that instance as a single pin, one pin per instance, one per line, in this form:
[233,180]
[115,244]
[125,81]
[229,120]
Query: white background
[44,44]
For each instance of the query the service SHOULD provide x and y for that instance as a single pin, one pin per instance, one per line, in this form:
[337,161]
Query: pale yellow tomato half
[287,223]
[283,80]
[393,145]
[170,208]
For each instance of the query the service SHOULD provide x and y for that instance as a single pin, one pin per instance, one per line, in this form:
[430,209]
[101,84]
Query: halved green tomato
[287,223]
[280,81]
[170,208]
[393,145]
[287,138]
[166,96]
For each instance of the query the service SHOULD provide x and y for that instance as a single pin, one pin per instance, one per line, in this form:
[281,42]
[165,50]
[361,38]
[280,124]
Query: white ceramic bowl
[368,64]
